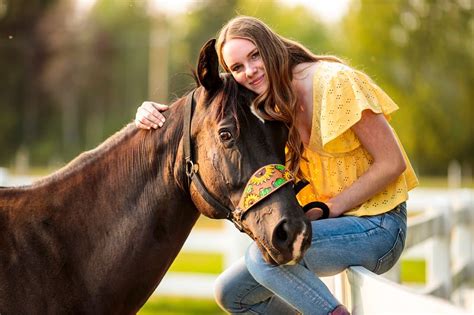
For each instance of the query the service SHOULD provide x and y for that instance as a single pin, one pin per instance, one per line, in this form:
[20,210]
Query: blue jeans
[252,286]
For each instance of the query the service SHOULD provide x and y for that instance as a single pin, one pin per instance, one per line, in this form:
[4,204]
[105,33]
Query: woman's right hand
[149,115]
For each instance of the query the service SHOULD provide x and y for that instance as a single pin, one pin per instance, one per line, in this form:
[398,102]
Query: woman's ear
[208,67]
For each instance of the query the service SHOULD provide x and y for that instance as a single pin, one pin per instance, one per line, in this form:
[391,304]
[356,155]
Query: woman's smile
[245,64]
[258,81]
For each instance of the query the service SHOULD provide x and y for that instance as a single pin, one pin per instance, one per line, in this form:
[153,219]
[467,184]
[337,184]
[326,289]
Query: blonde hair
[279,55]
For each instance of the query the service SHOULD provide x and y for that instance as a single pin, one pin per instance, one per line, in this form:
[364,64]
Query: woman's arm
[377,137]
[149,115]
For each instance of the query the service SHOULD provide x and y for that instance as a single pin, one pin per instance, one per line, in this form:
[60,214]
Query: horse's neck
[150,216]
[162,216]
[124,201]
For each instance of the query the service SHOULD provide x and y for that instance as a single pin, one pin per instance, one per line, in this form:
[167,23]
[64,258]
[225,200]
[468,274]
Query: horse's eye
[225,135]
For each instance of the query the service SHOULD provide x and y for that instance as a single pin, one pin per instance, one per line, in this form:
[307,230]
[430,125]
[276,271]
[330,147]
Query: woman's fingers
[314,214]
[155,110]
[144,123]
[149,115]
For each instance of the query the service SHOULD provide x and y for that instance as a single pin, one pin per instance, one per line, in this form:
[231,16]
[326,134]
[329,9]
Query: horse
[98,235]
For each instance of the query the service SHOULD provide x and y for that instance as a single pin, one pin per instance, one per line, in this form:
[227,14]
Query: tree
[22,57]
[421,53]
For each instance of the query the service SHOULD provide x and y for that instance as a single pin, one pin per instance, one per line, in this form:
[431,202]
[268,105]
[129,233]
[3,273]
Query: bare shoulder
[303,74]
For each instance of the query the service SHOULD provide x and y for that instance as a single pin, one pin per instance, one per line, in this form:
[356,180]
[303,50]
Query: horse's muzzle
[289,241]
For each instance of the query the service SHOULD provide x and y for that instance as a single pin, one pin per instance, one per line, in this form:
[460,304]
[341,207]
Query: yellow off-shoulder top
[334,157]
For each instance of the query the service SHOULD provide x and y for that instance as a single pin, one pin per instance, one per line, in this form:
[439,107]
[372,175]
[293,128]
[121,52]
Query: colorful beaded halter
[265,181]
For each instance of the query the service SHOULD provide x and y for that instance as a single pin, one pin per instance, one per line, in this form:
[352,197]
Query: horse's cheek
[204,208]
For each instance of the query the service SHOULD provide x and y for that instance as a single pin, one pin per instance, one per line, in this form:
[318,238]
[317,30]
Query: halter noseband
[265,181]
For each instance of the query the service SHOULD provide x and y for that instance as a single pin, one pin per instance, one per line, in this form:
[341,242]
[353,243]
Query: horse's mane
[165,139]
[89,157]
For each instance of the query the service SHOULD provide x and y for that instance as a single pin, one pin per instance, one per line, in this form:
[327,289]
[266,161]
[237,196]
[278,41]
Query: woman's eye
[235,69]
[256,55]
[225,135]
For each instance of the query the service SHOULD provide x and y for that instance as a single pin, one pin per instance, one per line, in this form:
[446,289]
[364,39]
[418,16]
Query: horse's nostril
[281,232]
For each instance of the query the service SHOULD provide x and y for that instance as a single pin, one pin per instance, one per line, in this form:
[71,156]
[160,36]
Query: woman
[341,142]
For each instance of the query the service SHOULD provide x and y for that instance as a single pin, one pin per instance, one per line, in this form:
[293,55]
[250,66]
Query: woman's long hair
[279,55]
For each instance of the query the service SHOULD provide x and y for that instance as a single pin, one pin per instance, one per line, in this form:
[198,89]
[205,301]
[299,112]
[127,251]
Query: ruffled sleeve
[347,95]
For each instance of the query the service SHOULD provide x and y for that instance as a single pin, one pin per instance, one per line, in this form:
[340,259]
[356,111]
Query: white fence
[442,234]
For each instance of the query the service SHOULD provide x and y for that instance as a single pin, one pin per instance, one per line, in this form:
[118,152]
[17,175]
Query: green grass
[413,271]
[198,262]
[164,305]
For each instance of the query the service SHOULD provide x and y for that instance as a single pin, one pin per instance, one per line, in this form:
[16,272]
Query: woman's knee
[255,263]
[224,292]
[231,287]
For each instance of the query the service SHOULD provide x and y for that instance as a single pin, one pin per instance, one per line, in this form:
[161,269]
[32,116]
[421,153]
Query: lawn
[165,305]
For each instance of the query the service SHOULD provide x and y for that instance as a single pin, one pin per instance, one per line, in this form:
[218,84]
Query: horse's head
[231,143]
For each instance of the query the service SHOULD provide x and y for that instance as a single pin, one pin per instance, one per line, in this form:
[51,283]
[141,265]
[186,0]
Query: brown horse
[97,236]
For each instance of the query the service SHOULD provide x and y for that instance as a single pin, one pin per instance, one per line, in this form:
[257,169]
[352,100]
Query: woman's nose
[251,71]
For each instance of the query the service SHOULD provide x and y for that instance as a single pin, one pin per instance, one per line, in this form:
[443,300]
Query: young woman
[341,142]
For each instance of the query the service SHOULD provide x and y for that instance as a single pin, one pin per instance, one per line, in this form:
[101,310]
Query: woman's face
[246,66]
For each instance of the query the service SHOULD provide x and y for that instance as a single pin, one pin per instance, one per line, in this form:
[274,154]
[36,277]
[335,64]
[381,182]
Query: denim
[252,286]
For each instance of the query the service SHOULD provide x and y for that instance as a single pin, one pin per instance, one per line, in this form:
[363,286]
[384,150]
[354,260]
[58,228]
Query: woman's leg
[237,292]
[372,242]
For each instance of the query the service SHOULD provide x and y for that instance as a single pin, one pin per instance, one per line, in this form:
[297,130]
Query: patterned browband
[265,181]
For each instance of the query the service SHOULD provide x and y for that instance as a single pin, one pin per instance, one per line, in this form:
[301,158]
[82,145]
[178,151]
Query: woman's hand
[149,115]
[318,213]
[314,214]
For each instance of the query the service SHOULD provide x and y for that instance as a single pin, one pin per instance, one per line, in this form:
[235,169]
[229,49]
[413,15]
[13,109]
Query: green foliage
[295,23]
[70,80]
[73,80]
[421,53]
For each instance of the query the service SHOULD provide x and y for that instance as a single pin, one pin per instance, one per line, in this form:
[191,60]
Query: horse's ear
[208,67]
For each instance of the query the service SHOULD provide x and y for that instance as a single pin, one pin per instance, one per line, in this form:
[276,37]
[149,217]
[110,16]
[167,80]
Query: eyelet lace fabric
[335,157]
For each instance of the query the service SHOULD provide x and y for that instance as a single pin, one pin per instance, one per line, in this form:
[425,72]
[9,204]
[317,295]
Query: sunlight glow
[170,7]
[83,6]
[329,11]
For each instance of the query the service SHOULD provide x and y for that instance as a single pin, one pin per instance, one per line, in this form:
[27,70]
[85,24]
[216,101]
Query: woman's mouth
[257,81]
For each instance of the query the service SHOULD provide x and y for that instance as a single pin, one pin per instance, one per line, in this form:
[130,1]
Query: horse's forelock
[226,101]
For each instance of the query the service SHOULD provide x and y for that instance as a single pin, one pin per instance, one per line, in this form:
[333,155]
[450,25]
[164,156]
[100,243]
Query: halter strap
[192,168]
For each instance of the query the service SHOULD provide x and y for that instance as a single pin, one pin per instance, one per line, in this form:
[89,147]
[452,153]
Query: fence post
[3,176]
[463,250]
[439,273]
[454,174]
[239,243]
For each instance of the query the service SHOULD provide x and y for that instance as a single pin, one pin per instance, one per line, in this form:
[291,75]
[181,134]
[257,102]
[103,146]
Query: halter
[265,181]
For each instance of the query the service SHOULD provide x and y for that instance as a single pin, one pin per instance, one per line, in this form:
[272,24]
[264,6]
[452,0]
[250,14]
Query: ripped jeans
[252,286]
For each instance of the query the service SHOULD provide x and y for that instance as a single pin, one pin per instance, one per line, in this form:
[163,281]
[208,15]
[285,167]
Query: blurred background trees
[74,71]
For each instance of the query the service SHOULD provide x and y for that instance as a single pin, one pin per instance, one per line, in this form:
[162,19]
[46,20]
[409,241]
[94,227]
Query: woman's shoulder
[332,68]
